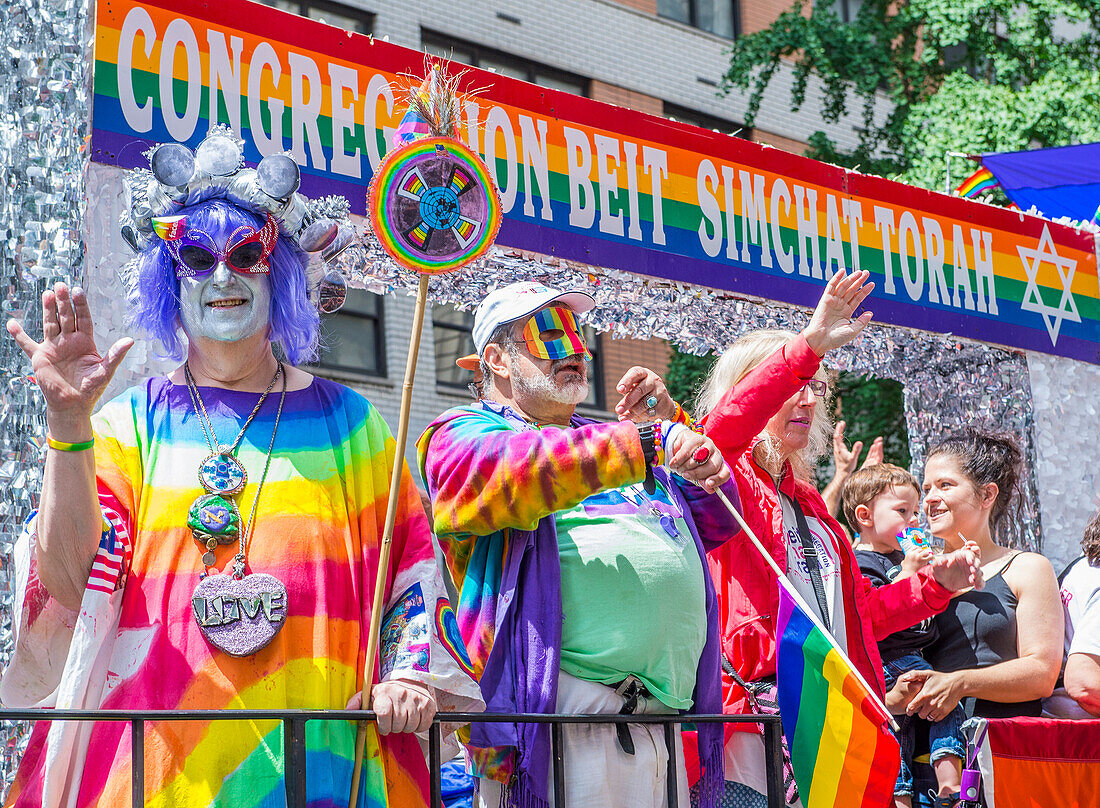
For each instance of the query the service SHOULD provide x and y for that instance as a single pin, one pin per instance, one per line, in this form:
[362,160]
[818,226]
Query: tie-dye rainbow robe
[318,529]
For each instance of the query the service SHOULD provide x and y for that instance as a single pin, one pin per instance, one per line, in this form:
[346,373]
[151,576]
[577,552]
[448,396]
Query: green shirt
[632,593]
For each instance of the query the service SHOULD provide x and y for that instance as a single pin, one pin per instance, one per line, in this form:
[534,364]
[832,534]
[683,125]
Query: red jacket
[748,594]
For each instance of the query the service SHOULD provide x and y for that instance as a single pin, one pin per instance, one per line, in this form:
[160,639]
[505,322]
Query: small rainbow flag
[842,752]
[980,181]
[413,126]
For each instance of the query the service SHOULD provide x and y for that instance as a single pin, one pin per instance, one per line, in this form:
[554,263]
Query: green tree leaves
[966,76]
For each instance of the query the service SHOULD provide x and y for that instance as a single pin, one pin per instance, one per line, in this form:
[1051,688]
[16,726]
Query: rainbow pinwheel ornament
[434,208]
[433,205]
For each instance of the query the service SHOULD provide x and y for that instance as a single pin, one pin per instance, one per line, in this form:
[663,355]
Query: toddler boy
[880,502]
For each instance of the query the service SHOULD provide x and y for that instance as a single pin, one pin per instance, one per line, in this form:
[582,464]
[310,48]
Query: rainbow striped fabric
[979,182]
[413,126]
[317,529]
[842,752]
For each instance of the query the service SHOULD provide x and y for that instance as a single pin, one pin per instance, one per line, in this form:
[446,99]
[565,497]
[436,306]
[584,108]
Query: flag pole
[378,603]
[785,582]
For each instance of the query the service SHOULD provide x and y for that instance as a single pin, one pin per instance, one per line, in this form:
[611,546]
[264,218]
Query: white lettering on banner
[853,215]
[754,217]
[961,278]
[137,117]
[809,263]
[983,270]
[265,57]
[305,83]
[933,251]
[344,80]
[731,212]
[607,148]
[777,219]
[708,205]
[498,122]
[634,229]
[578,152]
[655,162]
[907,228]
[834,241]
[537,164]
[378,89]
[783,255]
[884,223]
[225,72]
[179,33]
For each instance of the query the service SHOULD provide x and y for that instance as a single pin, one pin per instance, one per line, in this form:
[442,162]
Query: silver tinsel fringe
[45,101]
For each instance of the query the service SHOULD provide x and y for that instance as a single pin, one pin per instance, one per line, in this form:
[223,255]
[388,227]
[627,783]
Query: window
[691,116]
[451,332]
[353,339]
[719,17]
[847,9]
[499,62]
[348,18]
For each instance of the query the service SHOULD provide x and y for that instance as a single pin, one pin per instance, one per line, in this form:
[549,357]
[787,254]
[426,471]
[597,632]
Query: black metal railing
[294,740]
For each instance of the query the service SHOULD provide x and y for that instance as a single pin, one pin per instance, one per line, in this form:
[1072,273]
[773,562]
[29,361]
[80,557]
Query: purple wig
[155,297]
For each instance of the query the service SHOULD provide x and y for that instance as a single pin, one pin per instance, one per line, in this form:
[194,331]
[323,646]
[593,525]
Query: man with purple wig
[209,539]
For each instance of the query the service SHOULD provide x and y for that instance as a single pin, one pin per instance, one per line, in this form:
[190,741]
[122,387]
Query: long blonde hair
[734,364]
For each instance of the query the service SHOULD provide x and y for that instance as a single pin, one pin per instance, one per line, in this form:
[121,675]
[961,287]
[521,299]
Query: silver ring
[651,402]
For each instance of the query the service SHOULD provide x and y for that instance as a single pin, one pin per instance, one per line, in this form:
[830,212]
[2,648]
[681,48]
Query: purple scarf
[521,672]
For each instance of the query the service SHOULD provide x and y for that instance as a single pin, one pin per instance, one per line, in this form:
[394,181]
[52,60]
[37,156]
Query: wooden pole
[802,603]
[378,603]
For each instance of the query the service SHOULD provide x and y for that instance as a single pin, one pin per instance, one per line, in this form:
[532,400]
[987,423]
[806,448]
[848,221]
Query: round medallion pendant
[222,473]
[213,516]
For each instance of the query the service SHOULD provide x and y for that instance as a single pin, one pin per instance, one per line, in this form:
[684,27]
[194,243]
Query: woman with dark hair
[999,649]
[209,539]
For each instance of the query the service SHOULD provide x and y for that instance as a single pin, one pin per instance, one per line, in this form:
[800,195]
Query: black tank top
[977,630]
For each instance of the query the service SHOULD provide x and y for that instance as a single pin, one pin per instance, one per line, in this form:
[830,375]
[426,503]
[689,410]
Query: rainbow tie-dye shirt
[317,529]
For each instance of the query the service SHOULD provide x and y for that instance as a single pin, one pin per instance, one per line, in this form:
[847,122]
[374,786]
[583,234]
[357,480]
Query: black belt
[630,689]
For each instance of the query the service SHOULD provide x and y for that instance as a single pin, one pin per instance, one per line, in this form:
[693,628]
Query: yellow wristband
[61,446]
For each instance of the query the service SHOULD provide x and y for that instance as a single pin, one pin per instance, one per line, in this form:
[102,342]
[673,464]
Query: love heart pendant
[240,616]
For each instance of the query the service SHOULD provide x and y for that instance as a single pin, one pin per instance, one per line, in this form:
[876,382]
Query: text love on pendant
[221,610]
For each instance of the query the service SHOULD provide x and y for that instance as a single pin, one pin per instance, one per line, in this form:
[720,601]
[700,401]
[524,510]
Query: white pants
[598,773]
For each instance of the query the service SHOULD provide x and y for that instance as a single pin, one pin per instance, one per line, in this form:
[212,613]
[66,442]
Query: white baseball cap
[519,300]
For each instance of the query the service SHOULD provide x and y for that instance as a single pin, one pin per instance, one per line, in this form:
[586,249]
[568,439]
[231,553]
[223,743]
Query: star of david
[1033,298]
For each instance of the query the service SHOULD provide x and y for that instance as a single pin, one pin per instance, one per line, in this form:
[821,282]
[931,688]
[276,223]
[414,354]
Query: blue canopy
[1063,181]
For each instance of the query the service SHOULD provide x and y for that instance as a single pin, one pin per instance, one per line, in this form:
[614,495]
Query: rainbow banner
[842,752]
[977,183]
[594,183]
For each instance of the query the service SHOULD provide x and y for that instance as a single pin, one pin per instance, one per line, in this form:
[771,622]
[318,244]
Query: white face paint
[226,306]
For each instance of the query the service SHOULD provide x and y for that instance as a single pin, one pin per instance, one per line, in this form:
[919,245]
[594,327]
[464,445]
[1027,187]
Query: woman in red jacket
[760,405]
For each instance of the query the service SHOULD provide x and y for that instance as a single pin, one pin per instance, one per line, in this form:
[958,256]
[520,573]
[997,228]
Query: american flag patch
[113,556]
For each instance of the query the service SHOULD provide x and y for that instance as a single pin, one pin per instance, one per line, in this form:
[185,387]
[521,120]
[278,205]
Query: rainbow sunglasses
[196,253]
[555,334]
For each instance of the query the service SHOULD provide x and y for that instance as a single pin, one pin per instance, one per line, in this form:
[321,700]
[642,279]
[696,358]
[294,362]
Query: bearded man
[579,552]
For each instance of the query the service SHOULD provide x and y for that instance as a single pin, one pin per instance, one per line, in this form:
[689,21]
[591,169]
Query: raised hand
[832,324]
[70,371]
[845,459]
